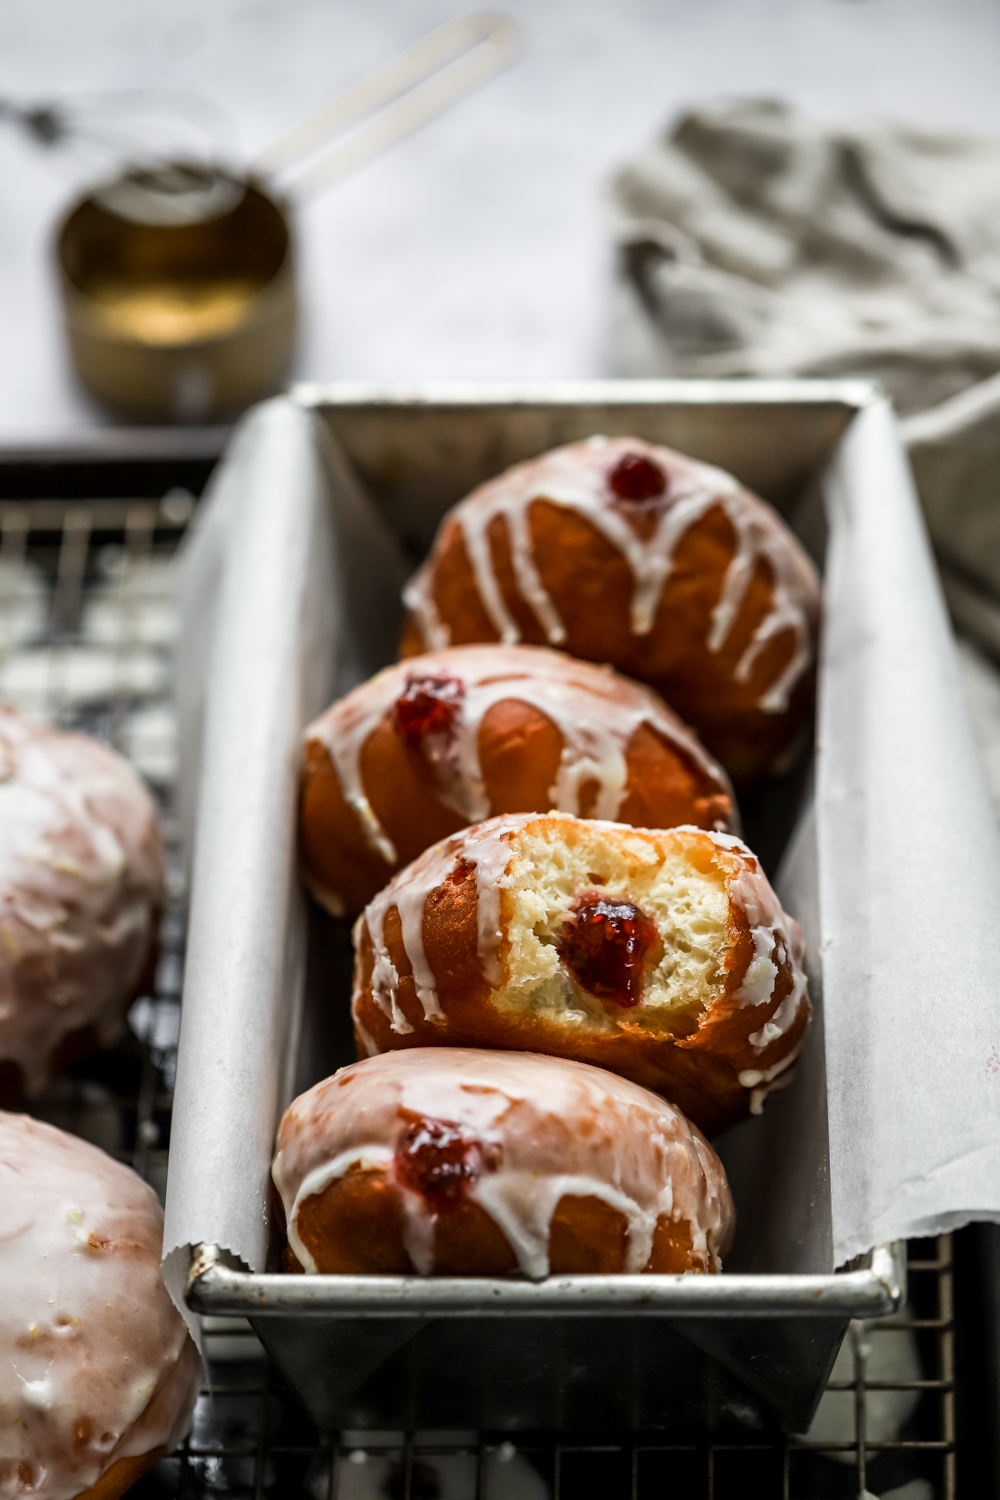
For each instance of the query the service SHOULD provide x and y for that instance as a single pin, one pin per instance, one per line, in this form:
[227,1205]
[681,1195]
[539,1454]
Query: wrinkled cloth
[757,241]
[753,240]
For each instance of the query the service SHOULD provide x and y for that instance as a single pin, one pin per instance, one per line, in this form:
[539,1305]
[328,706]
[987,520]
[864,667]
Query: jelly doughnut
[447,1161]
[616,550]
[663,955]
[448,739]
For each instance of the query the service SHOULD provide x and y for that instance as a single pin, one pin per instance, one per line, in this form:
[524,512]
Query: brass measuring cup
[178,280]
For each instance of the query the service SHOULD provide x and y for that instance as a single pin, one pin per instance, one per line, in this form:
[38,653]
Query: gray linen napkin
[754,240]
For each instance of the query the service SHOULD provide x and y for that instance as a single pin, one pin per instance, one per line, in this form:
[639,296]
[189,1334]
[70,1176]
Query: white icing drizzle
[529,580]
[410,906]
[751,1078]
[81,881]
[758,1097]
[758,982]
[575,477]
[523,1205]
[777,937]
[365,1038]
[418,1232]
[784,1017]
[385,978]
[486,848]
[375,834]
[596,711]
[418,596]
[774,1078]
[491,858]
[553,1128]
[95,1361]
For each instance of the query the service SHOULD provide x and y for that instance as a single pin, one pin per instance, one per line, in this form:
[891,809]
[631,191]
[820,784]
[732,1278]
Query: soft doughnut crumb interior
[680,885]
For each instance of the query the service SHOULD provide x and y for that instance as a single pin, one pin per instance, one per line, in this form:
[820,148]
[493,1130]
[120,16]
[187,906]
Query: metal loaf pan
[753,1346]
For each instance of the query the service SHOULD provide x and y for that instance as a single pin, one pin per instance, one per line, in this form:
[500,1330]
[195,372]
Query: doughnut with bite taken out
[663,955]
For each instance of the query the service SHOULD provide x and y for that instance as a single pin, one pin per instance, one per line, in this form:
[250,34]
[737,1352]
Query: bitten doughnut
[463,1163]
[98,1375]
[81,891]
[448,739]
[662,955]
[622,552]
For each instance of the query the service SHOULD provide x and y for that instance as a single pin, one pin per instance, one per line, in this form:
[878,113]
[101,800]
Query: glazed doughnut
[662,955]
[618,551]
[464,1163]
[448,739]
[81,891]
[98,1375]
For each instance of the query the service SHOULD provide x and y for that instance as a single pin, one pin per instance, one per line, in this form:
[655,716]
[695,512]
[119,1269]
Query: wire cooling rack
[86,625]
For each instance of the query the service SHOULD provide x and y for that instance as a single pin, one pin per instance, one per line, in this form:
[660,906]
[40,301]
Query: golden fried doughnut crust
[122,1475]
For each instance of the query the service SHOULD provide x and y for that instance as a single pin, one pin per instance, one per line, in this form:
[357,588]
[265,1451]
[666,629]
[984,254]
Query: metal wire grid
[86,624]
[252,1437]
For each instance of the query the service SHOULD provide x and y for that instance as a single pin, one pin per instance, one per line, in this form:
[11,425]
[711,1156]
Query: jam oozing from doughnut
[604,943]
[637,478]
[437,1160]
[429,706]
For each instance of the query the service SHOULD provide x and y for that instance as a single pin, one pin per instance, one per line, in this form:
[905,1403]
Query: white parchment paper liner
[909,876]
[273,573]
[891,1126]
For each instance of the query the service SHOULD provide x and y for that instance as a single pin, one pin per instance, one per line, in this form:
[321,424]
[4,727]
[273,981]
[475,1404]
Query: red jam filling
[427,707]
[604,943]
[636,478]
[437,1160]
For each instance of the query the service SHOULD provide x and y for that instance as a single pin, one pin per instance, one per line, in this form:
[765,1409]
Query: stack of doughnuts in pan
[568,965]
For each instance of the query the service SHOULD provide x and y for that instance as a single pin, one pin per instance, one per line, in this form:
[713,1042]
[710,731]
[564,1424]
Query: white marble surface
[476,248]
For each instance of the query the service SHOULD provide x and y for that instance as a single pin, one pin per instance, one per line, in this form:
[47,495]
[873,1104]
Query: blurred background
[480,246]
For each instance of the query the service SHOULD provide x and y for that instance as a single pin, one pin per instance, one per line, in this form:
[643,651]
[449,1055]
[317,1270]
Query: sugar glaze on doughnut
[694,489]
[541,1131]
[96,1365]
[467,947]
[738,618]
[596,712]
[81,889]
